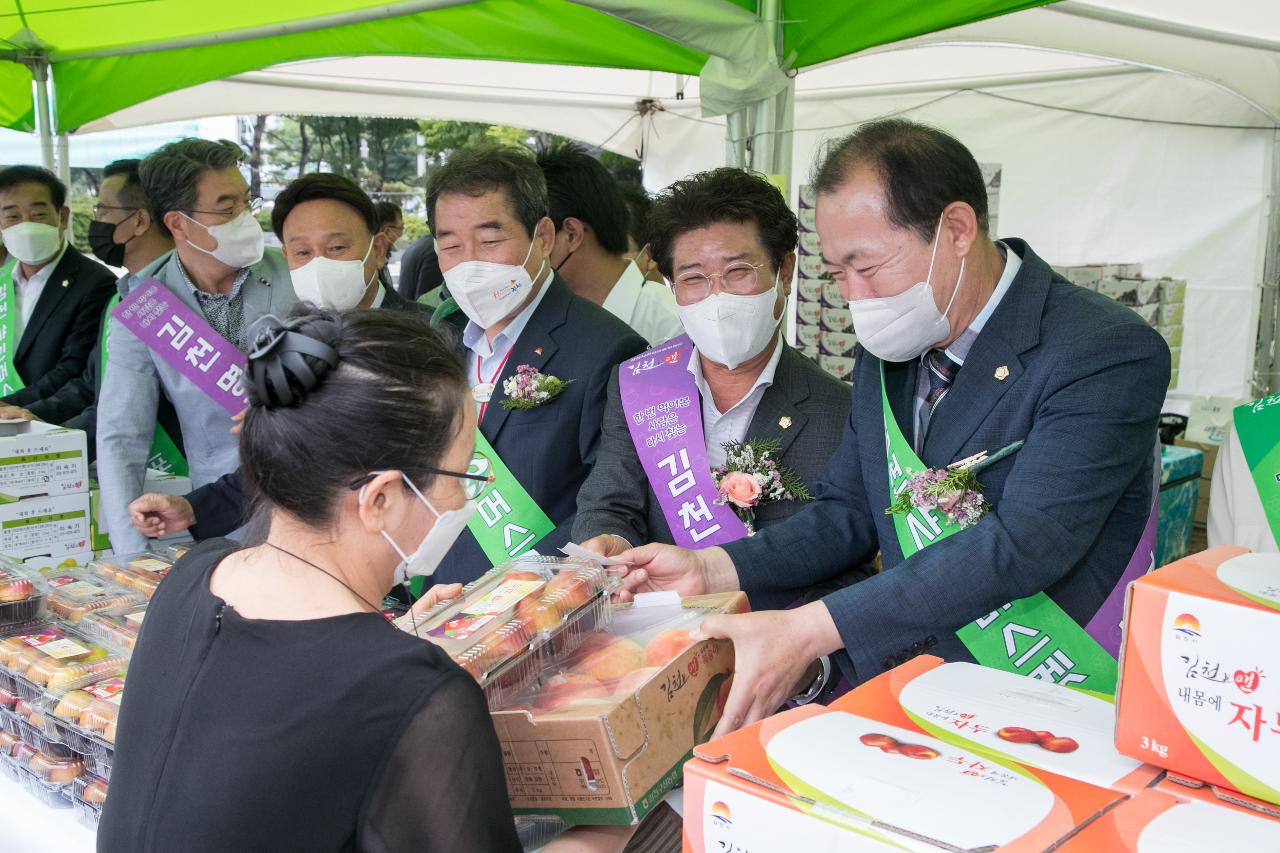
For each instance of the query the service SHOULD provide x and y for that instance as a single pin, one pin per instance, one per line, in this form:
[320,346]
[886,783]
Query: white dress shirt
[485,360]
[646,306]
[717,427]
[1236,516]
[26,291]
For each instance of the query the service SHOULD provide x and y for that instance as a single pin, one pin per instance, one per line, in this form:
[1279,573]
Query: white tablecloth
[29,826]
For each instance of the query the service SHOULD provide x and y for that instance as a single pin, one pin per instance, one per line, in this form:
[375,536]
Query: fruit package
[55,657]
[118,626]
[141,572]
[1200,671]
[1160,820]
[602,734]
[50,779]
[88,793]
[928,755]
[85,718]
[73,594]
[492,627]
[23,593]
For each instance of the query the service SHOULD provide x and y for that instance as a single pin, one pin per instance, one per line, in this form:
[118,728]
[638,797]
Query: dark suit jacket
[613,499]
[419,269]
[1086,382]
[63,329]
[221,507]
[550,449]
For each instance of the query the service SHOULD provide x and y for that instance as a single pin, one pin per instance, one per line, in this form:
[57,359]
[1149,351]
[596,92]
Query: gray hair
[480,169]
[170,173]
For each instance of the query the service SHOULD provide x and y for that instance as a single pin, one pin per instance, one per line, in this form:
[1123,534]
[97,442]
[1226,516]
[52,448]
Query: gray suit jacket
[616,497]
[130,396]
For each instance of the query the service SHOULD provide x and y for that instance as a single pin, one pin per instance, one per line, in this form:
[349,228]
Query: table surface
[29,826]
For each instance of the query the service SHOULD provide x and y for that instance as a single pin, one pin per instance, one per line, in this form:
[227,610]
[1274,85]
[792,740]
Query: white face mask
[730,329]
[240,242]
[426,558]
[903,327]
[32,242]
[335,285]
[489,293]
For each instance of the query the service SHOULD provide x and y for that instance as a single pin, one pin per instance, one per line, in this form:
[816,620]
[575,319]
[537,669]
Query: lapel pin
[785,422]
[1002,372]
[537,350]
[66,283]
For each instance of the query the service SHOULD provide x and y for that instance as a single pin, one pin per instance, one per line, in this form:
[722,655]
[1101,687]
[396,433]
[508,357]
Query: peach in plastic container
[74,595]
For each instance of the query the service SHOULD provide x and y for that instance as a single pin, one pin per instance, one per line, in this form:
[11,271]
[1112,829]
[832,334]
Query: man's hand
[665,567]
[16,413]
[773,653]
[156,515]
[606,545]
[435,595]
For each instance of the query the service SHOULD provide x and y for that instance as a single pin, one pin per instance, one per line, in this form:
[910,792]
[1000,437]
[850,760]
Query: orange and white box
[928,755]
[1155,821]
[1200,671]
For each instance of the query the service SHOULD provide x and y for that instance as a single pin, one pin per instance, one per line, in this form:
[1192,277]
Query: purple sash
[663,411]
[186,342]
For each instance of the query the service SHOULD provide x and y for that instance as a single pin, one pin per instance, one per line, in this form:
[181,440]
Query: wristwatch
[819,683]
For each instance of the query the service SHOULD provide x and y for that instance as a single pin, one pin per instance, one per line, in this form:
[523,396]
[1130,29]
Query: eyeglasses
[253,205]
[472,484]
[740,279]
[98,208]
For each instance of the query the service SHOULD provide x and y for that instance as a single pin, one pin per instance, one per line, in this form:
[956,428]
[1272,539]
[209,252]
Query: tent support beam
[44,126]
[1266,367]
[64,158]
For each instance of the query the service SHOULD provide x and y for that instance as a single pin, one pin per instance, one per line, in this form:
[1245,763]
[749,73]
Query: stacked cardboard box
[44,494]
[824,326]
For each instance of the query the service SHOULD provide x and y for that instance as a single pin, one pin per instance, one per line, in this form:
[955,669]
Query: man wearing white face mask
[51,296]
[726,239]
[968,348]
[222,274]
[538,357]
[330,233]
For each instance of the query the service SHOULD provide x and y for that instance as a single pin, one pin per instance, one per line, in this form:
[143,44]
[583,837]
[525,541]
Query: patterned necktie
[942,372]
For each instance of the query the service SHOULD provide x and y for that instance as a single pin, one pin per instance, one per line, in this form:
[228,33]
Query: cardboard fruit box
[601,738]
[927,756]
[1157,820]
[41,460]
[1200,671]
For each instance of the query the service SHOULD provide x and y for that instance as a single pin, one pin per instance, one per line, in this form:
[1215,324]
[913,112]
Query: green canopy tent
[90,59]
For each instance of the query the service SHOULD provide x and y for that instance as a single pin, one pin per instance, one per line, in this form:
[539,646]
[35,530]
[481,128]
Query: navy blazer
[550,449]
[1086,381]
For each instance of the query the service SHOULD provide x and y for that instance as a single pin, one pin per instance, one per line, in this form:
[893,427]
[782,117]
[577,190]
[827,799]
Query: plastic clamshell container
[56,657]
[100,765]
[9,722]
[88,793]
[85,718]
[177,550]
[7,740]
[32,730]
[50,779]
[74,594]
[23,593]
[141,572]
[118,625]
[7,698]
[493,628]
[10,768]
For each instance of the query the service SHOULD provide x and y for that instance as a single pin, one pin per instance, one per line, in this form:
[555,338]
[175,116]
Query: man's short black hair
[638,206]
[580,186]
[319,186]
[131,192]
[480,169]
[16,175]
[921,168]
[389,213]
[726,194]
[170,174]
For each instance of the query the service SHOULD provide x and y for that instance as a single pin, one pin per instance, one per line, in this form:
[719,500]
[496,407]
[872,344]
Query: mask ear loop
[413,618]
[937,238]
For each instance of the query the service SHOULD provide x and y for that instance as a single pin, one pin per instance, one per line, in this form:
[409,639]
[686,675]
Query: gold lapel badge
[66,282]
[1002,372]
[785,422]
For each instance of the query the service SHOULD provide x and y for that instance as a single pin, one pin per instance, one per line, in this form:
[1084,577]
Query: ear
[381,248]
[574,233]
[961,222]
[379,501]
[142,222]
[176,223]
[787,270]
[545,232]
[64,217]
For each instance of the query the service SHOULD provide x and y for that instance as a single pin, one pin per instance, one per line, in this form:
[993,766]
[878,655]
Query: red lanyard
[484,406]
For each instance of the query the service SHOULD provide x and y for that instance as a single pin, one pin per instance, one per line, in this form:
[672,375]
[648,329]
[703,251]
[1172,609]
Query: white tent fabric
[1128,130]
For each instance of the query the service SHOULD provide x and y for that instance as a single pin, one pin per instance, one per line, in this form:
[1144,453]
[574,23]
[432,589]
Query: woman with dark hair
[270,704]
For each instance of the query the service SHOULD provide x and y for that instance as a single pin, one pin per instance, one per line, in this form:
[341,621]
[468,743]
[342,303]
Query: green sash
[507,522]
[10,381]
[165,456]
[1258,425]
[1031,636]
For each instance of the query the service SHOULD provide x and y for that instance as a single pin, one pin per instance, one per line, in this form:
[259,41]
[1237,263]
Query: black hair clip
[276,358]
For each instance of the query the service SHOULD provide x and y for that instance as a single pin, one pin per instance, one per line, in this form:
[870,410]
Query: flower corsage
[751,476]
[529,389]
[953,491]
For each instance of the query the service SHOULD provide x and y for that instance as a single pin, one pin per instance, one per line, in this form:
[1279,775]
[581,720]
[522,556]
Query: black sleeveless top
[334,734]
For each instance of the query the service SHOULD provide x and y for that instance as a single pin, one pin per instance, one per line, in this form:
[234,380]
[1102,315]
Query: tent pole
[44,126]
[1266,366]
[64,158]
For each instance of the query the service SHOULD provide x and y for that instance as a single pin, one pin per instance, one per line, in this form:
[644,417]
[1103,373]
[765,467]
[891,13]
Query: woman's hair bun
[289,358]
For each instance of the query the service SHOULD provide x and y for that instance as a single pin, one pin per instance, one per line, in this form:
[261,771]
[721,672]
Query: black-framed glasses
[253,205]
[98,208]
[740,279]
[472,484]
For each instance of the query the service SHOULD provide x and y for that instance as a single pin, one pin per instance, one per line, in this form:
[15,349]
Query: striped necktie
[942,372]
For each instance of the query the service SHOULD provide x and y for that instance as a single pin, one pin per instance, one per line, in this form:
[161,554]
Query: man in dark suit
[488,211]
[57,293]
[981,346]
[419,269]
[720,224]
[335,246]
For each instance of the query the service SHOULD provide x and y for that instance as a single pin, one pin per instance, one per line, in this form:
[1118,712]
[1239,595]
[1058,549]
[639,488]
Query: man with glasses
[221,272]
[726,239]
[51,296]
[122,234]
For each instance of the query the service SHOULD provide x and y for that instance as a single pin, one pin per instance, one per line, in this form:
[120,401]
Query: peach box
[1200,671]
[1156,821]
[911,760]
[612,762]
